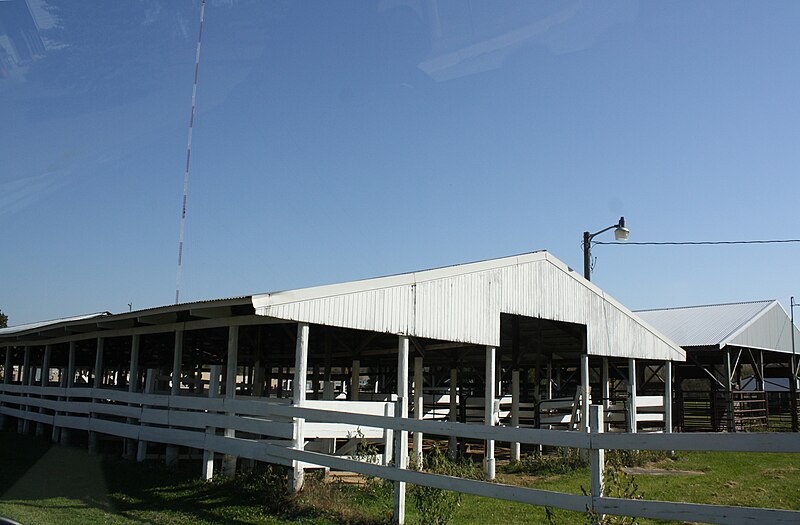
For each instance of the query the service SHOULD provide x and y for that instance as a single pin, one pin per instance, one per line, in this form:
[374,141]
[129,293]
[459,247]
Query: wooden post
[45,380]
[94,439]
[70,380]
[23,426]
[231,368]
[515,448]
[452,445]
[668,399]
[418,406]
[586,400]
[596,456]
[171,457]
[632,422]
[296,473]
[549,378]
[7,367]
[149,386]
[355,377]
[401,411]
[726,365]
[490,383]
[208,454]
[133,385]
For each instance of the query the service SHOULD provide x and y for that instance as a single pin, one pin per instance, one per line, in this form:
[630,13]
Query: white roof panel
[463,303]
[755,324]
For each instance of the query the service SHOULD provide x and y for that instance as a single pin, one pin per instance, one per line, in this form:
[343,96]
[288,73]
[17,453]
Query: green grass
[41,483]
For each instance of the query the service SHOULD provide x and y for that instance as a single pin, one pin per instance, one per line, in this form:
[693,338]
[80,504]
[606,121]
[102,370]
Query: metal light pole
[621,233]
[793,371]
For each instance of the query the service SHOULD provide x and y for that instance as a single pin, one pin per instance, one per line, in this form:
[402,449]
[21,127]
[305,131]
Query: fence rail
[263,429]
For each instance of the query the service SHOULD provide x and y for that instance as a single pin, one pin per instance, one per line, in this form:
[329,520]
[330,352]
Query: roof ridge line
[765,301]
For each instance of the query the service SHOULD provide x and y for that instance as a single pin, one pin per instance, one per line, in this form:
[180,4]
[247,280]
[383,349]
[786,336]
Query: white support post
[550,378]
[45,380]
[668,399]
[296,473]
[149,386]
[418,406]
[94,439]
[355,377]
[489,410]
[632,422]
[133,382]
[586,399]
[606,386]
[231,368]
[171,457]
[596,456]
[515,447]
[208,455]
[401,411]
[23,426]
[7,367]
[452,445]
[69,382]
[388,433]
[98,364]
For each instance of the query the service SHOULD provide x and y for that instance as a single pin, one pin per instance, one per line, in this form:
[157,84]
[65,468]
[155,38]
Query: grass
[41,483]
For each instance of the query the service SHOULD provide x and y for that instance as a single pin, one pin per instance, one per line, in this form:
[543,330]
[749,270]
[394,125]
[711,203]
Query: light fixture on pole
[621,233]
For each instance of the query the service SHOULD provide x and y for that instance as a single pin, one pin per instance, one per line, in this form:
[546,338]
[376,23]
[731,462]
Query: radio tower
[188,155]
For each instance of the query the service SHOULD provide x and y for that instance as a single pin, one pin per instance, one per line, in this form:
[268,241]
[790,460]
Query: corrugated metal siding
[464,303]
[770,331]
[703,325]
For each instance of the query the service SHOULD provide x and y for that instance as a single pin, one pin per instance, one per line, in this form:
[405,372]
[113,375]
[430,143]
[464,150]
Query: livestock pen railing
[267,430]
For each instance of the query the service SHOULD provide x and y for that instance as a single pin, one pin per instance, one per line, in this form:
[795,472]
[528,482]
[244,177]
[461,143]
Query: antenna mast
[188,155]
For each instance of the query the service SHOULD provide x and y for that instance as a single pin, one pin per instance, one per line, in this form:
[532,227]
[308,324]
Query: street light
[621,233]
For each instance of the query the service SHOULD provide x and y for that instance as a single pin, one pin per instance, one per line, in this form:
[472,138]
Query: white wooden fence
[263,431]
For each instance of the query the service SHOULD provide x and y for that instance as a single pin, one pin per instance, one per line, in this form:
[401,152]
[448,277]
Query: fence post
[208,453]
[401,448]
[149,386]
[596,455]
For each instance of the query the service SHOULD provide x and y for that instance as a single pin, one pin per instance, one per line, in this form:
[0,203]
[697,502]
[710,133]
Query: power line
[188,155]
[701,243]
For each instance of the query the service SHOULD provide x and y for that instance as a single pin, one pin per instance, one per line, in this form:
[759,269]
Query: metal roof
[53,322]
[756,324]
[463,303]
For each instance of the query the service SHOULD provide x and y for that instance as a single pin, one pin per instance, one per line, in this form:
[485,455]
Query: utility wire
[701,243]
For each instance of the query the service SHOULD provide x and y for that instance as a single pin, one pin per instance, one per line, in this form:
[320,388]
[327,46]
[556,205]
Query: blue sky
[338,141]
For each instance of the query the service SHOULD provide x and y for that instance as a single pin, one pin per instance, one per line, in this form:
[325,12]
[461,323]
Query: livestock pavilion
[521,341]
[739,373]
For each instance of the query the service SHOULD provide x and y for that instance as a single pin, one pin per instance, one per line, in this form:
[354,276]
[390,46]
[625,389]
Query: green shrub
[438,506]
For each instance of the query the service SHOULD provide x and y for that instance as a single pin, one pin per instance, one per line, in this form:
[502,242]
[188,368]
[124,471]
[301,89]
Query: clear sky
[345,140]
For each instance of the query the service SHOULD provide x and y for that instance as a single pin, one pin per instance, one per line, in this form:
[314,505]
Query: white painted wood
[296,474]
[632,401]
[596,456]
[586,400]
[208,454]
[355,377]
[177,359]
[452,415]
[668,398]
[401,411]
[149,385]
[694,512]
[418,407]
[574,502]
[515,446]
[490,383]
[231,365]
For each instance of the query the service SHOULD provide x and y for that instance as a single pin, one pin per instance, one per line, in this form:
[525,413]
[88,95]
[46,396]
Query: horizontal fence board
[497,433]
[709,441]
[78,423]
[695,512]
[173,436]
[114,428]
[467,486]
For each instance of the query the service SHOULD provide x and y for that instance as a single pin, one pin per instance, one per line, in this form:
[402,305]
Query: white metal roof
[757,324]
[463,303]
[42,324]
